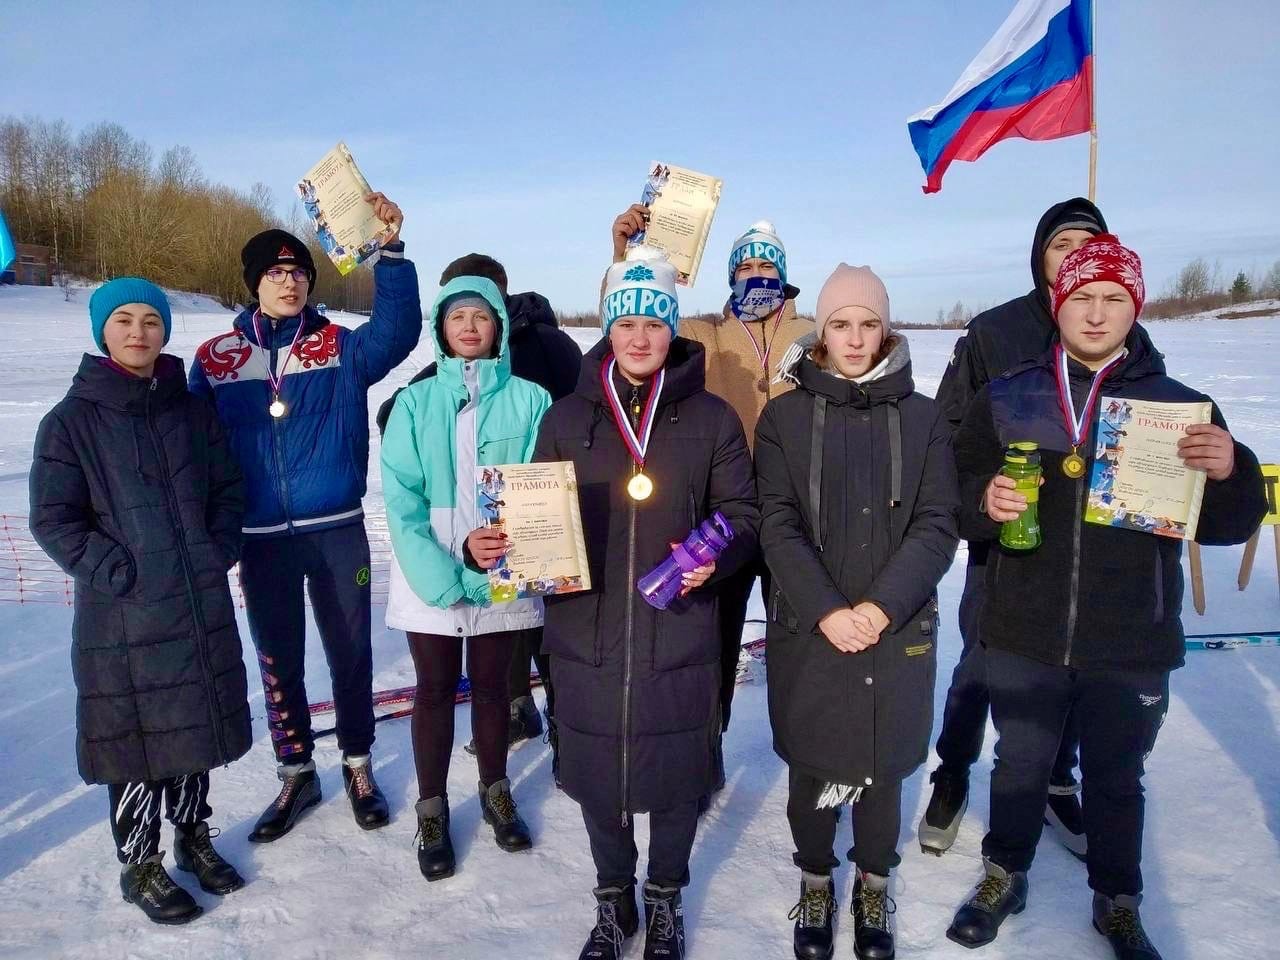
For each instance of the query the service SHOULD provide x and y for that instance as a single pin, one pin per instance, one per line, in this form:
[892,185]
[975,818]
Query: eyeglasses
[277,275]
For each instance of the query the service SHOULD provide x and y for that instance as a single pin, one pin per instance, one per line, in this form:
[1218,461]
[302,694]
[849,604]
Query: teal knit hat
[116,293]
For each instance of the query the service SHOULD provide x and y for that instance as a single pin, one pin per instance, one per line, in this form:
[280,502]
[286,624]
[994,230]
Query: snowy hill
[331,890]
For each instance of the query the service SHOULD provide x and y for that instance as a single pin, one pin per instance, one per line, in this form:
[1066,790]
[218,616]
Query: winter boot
[1117,919]
[368,805]
[616,920]
[436,859]
[525,724]
[300,792]
[663,923]
[999,894]
[1063,815]
[499,809]
[941,820]
[149,885]
[872,910]
[193,852]
[814,934]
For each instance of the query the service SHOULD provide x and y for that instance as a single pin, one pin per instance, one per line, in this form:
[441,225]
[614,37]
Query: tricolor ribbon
[1076,426]
[274,380]
[637,441]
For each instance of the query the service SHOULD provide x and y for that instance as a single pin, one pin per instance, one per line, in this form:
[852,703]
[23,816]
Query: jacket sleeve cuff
[392,252]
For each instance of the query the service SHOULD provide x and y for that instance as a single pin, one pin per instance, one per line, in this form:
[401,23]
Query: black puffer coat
[637,690]
[134,493]
[859,500]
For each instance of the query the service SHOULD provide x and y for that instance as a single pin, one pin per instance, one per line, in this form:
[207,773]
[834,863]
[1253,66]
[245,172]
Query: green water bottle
[1022,465]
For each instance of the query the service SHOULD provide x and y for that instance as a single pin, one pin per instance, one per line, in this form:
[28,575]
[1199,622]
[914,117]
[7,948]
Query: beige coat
[733,369]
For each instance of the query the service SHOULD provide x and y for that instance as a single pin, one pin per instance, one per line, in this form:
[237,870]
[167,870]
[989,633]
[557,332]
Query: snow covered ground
[330,890]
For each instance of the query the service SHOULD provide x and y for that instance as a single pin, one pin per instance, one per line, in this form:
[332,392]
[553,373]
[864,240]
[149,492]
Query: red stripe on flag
[1061,111]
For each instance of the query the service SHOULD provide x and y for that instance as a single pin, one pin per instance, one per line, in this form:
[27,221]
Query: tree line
[107,207]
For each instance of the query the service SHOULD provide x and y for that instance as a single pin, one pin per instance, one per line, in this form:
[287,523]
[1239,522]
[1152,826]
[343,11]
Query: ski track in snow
[1212,851]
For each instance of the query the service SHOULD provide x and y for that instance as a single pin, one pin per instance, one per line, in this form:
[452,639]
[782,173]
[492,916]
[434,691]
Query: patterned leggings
[135,811]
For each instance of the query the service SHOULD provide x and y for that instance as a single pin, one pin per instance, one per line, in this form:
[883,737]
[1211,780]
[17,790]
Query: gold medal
[639,487]
[277,408]
[763,384]
[1073,465]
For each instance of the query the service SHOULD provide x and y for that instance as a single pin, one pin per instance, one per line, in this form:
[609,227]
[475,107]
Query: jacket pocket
[571,627]
[687,633]
[780,612]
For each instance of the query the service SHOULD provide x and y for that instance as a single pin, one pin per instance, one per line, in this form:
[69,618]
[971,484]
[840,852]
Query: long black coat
[637,690]
[861,718]
[134,493]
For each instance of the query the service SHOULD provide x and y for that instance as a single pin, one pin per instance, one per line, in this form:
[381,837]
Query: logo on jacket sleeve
[318,348]
[223,357]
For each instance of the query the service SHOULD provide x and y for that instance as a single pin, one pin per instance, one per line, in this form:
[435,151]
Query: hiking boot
[1117,919]
[299,793]
[436,859]
[149,885]
[616,920]
[525,724]
[999,894]
[1063,815]
[663,923]
[368,805]
[499,809]
[941,820]
[872,910]
[814,935]
[193,852]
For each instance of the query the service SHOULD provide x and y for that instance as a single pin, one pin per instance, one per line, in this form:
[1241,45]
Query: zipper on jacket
[197,619]
[282,485]
[627,641]
[1074,604]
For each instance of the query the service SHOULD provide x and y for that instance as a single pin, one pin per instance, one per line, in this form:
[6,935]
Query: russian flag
[1034,79]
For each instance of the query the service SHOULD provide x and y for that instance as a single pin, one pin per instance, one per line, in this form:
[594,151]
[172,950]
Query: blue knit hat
[116,293]
[642,285]
[759,242]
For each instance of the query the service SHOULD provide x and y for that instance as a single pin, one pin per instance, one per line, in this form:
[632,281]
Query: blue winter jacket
[306,471]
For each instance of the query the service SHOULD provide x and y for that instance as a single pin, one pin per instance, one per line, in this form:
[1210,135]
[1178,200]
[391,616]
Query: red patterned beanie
[1102,258]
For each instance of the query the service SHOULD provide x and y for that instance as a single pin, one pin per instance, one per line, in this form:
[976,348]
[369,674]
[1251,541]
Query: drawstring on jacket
[597,412]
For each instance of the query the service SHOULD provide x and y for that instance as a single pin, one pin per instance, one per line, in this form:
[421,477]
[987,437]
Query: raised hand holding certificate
[682,204]
[333,193]
[536,506]
[1138,480]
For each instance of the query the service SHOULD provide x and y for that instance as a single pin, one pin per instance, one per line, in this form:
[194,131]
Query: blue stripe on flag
[1056,58]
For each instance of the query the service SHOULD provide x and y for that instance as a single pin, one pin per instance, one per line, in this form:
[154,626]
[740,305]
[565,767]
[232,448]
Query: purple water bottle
[704,544]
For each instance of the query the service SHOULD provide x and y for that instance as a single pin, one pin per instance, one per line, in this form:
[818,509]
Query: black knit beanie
[270,248]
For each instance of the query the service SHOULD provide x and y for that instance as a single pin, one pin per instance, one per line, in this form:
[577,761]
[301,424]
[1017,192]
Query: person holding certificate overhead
[1091,618]
[638,688]
[472,413]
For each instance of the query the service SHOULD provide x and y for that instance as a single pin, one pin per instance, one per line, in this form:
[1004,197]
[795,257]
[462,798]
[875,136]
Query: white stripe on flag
[1022,30]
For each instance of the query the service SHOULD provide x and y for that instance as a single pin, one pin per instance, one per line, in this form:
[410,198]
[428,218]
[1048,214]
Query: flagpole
[1093,103]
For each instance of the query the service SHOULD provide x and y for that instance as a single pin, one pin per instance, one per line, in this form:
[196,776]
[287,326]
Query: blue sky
[522,129]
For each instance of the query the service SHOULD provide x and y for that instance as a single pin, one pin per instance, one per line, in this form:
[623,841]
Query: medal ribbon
[763,358]
[272,380]
[637,442]
[1076,426]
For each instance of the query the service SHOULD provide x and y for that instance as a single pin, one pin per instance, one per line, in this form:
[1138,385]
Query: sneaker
[663,923]
[149,885]
[814,935]
[193,853]
[872,910]
[1117,919]
[500,812]
[436,859]
[368,805]
[1064,816]
[1000,894]
[300,791]
[616,920]
[941,820]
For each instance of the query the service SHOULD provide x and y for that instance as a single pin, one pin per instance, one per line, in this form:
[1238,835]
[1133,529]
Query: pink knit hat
[852,287]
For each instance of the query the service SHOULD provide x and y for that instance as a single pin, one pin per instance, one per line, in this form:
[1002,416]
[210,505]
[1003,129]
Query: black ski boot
[616,920]
[299,793]
[1117,919]
[193,852]
[149,885]
[998,895]
[1062,815]
[368,805]
[814,914]
[499,809]
[872,910]
[663,923]
[941,820]
[436,859]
